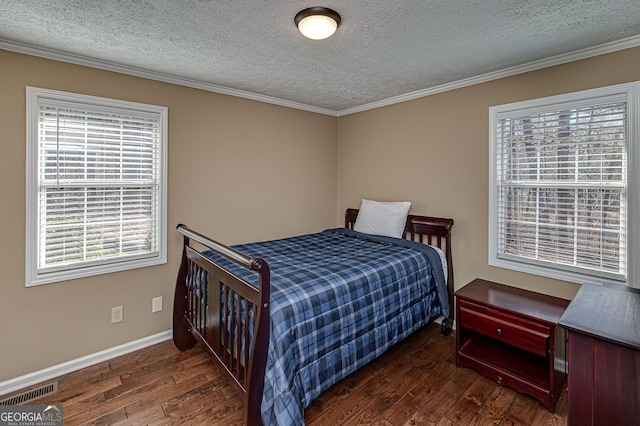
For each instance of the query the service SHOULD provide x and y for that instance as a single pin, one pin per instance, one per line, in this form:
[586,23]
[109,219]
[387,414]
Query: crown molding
[58,55]
[589,52]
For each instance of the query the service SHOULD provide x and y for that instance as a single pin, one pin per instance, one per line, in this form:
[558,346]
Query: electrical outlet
[156,304]
[116,314]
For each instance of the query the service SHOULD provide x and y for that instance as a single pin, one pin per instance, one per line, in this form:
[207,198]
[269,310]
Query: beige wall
[263,171]
[284,172]
[434,152]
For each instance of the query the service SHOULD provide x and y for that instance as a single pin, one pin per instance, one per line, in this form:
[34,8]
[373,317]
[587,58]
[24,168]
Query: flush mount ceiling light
[317,23]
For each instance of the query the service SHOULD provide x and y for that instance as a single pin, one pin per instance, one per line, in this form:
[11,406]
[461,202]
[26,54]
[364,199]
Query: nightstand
[509,334]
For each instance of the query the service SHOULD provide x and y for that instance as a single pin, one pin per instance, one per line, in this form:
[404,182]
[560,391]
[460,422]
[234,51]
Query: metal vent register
[31,395]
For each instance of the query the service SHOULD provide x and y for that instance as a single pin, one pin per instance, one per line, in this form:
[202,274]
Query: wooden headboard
[435,231]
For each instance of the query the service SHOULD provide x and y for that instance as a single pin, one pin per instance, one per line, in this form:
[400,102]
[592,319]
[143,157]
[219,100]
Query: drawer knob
[499,331]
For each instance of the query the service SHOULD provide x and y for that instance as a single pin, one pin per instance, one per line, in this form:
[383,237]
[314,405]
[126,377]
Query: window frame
[35,95]
[631,92]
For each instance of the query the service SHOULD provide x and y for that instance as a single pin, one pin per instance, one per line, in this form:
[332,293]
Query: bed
[286,319]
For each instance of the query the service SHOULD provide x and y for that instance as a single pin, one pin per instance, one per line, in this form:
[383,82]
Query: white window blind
[98,192]
[561,187]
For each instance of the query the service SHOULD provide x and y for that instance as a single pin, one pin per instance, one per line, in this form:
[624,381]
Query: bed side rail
[215,307]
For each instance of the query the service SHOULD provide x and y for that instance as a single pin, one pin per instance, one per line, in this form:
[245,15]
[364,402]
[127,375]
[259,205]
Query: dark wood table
[603,356]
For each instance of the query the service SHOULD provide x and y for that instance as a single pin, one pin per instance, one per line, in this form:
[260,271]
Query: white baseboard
[560,365]
[49,373]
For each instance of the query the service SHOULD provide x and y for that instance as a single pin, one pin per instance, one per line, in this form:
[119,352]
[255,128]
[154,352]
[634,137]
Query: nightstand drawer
[529,336]
[504,377]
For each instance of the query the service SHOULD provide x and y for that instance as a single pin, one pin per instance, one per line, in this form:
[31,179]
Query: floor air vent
[31,395]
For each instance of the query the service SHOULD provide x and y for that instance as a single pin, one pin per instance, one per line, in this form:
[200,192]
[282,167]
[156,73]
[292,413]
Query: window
[564,185]
[96,186]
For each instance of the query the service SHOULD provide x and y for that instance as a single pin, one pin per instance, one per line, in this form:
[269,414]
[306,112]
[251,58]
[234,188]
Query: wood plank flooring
[414,383]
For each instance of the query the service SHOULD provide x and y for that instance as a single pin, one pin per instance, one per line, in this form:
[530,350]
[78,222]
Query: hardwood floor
[414,383]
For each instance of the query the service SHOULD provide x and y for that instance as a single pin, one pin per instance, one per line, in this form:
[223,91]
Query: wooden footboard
[214,307]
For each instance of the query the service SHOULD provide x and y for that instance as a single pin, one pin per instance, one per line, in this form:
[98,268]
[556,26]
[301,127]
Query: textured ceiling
[383,48]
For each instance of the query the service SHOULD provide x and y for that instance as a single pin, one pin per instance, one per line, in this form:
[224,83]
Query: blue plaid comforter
[339,299]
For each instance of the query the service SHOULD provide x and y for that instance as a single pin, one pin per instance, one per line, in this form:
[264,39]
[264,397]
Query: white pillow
[380,218]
